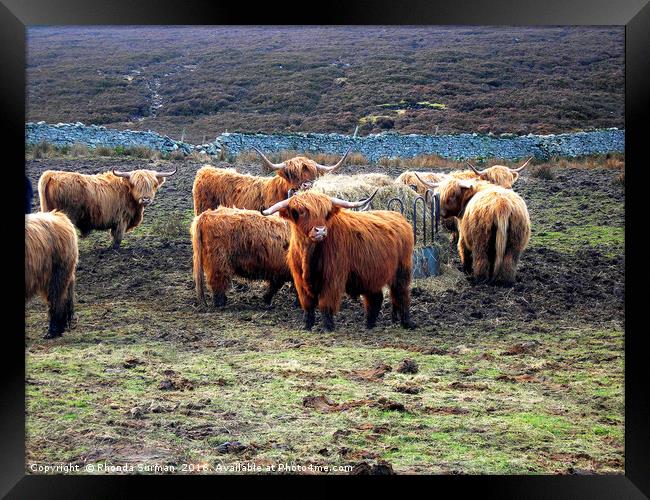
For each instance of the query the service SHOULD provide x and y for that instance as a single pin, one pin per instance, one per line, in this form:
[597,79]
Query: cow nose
[318,233]
[145,201]
[305,186]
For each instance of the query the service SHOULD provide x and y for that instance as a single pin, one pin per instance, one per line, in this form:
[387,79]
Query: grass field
[196,82]
[516,380]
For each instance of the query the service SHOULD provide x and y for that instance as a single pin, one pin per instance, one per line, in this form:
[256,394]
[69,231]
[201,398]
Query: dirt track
[536,370]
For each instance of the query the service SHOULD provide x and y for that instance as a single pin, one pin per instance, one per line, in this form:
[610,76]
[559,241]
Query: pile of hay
[360,186]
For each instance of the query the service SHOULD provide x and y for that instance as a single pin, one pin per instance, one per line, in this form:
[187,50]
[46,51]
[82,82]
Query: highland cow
[494,227]
[414,180]
[29,195]
[335,251]
[51,256]
[214,187]
[111,200]
[230,242]
[499,175]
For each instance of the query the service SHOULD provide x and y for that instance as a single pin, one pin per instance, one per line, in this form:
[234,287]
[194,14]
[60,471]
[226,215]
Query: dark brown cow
[334,251]
[229,242]
[51,255]
[214,187]
[111,200]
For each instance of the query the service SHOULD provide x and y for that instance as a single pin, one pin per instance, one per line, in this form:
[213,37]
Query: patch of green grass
[609,238]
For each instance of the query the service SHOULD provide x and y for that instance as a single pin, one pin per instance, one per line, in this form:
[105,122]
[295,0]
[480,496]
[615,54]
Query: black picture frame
[15,15]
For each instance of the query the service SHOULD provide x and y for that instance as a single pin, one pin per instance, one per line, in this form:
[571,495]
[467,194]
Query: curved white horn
[352,204]
[476,171]
[269,163]
[126,175]
[166,174]
[334,167]
[278,206]
[432,185]
[523,166]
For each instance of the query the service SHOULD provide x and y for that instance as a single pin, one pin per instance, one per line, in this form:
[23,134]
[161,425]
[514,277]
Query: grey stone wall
[373,147]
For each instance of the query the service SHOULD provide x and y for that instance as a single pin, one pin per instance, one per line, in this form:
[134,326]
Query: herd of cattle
[279,230]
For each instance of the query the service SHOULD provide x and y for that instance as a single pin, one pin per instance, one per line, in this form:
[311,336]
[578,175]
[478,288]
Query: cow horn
[352,204]
[278,206]
[333,168]
[522,167]
[126,175]
[269,163]
[476,171]
[432,185]
[167,174]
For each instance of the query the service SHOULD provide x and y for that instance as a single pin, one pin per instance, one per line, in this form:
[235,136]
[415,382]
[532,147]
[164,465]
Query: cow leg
[465,255]
[274,286]
[117,233]
[372,302]
[481,265]
[219,299]
[508,268]
[310,318]
[400,296]
[69,305]
[56,299]
[328,319]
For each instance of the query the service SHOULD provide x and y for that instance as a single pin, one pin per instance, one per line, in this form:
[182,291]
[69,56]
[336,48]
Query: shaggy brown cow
[412,179]
[497,174]
[111,200]
[214,187]
[229,242]
[494,227]
[51,256]
[334,251]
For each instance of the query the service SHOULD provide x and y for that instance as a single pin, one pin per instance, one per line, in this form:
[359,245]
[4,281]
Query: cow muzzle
[318,234]
[145,201]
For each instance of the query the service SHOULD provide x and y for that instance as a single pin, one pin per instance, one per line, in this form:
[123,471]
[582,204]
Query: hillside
[205,80]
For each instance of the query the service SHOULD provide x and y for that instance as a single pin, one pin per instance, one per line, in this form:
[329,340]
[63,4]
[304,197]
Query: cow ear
[335,210]
[465,184]
[160,180]
[515,176]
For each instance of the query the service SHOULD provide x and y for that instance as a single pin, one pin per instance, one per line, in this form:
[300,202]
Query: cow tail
[42,192]
[197,259]
[501,241]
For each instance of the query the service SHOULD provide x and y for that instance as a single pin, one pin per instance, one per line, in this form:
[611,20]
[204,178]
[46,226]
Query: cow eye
[294,214]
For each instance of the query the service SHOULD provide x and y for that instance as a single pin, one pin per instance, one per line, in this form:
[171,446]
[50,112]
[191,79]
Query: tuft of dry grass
[78,150]
[103,151]
[620,179]
[608,160]
[543,172]
[176,155]
[42,150]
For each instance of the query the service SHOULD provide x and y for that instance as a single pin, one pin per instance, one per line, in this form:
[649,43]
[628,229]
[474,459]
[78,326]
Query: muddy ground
[527,379]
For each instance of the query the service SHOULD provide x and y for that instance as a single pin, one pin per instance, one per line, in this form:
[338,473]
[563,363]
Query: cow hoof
[409,325]
[370,326]
[219,301]
[51,335]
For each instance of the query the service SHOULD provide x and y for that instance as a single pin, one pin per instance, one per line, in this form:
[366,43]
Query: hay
[450,278]
[361,186]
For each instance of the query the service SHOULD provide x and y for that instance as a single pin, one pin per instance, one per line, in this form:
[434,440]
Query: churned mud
[526,379]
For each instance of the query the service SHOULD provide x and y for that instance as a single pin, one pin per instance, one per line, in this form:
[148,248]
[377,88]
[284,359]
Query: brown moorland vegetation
[199,81]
